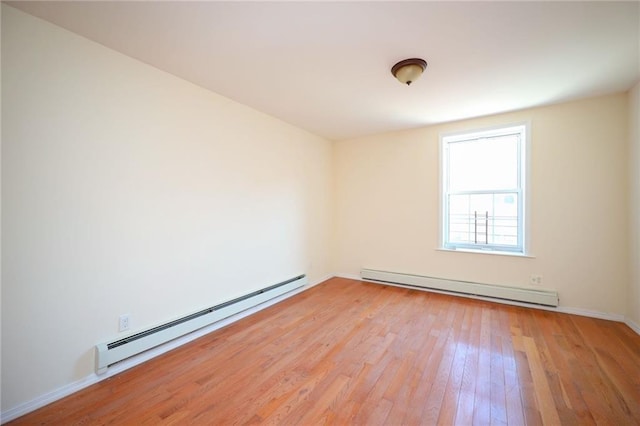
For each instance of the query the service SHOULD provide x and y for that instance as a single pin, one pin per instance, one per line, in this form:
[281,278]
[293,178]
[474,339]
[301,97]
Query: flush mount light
[409,70]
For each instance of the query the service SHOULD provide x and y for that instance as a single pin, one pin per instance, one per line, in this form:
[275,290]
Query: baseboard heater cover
[516,294]
[111,352]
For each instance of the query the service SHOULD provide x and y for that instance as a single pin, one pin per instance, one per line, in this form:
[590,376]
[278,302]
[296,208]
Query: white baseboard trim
[320,281]
[589,313]
[52,396]
[348,276]
[632,325]
[93,378]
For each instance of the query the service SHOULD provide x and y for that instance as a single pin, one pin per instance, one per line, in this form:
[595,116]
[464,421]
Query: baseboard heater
[109,353]
[516,294]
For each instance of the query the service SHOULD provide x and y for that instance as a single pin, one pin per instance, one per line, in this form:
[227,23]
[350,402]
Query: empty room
[373,213]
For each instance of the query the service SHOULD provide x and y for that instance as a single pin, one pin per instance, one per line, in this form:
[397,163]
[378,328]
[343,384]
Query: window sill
[490,252]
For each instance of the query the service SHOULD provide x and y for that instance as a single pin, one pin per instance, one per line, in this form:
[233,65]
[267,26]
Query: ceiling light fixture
[409,70]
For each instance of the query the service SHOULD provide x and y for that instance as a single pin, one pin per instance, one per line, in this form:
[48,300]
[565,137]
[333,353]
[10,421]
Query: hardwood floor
[347,352]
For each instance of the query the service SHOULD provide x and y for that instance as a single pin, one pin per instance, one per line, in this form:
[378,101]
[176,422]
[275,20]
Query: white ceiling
[325,66]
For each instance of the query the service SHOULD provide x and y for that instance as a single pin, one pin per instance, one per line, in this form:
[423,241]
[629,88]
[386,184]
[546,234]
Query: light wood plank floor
[347,352]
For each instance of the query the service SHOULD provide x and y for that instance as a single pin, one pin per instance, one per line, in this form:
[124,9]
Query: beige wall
[633,299]
[127,190]
[387,205]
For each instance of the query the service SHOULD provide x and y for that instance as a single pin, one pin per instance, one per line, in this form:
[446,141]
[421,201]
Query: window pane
[460,225]
[504,225]
[484,164]
[484,219]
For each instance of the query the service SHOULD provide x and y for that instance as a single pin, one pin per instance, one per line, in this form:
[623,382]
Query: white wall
[127,190]
[387,205]
[633,299]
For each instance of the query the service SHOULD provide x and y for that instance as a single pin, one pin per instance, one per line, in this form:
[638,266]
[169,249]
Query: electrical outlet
[125,322]
[535,279]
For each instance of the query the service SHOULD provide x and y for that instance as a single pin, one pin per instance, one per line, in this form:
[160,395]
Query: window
[483,189]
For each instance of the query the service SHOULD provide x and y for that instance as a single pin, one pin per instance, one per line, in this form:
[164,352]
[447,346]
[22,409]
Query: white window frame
[523,128]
